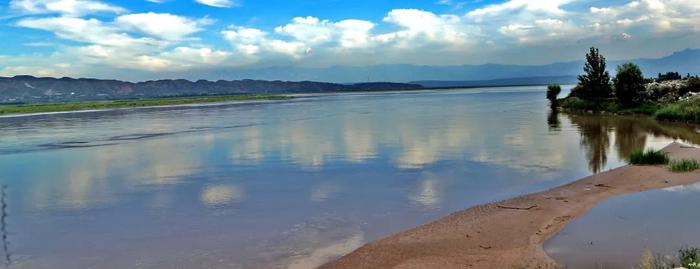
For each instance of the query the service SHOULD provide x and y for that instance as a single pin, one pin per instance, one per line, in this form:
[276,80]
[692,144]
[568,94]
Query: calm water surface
[284,184]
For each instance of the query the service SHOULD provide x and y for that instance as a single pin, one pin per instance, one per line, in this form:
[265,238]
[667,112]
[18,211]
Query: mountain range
[277,80]
[29,89]
[686,61]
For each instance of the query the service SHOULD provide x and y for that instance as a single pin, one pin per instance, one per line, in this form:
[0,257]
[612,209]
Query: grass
[649,157]
[77,106]
[688,258]
[684,165]
[681,111]
[575,103]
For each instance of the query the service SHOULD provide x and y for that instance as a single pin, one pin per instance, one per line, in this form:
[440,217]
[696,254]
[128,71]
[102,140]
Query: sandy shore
[510,234]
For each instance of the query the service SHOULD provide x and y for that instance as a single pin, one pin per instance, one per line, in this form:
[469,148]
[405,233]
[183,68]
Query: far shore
[13,110]
[511,233]
[34,109]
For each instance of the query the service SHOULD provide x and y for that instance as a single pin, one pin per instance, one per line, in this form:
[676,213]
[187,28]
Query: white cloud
[65,7]
[91,31]
[161,25]
[550,31]
[217,3]
[548,7]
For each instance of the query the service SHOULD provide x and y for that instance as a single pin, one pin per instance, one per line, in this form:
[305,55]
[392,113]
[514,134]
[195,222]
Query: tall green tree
[595,82]
[629,84]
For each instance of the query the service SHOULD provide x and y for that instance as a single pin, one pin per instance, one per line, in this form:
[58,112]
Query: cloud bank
[97,35]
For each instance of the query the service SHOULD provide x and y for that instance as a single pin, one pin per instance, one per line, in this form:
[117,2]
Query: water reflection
[3,226]
[553,120]
[428,194]
[628,134]
[218,195]
[307,179]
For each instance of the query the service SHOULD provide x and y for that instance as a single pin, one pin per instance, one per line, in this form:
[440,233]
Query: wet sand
[510,234]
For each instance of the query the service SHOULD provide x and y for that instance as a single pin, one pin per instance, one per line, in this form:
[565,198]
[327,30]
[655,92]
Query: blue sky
[152,38]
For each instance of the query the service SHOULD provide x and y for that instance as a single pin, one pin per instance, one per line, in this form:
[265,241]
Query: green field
[77,106]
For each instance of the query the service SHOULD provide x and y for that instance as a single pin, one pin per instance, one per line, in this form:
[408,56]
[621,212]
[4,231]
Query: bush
[693,84]
[576,103]
[684,165]
[649,157]
[689,258]
[553,91]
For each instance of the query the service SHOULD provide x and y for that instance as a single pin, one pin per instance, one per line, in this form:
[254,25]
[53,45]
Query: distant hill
[498,82]
[686,61]
[28,89]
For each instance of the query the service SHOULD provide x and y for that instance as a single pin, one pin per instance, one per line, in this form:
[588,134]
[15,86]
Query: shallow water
[286,184]
[620,231]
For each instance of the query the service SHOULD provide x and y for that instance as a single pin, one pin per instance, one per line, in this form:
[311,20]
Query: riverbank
[113,104]
[510,234]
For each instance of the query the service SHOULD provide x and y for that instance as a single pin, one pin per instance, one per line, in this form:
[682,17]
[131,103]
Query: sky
[120,38]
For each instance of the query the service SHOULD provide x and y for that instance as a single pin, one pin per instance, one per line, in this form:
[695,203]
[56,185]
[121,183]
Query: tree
[669,76]
[629,84]
[595,83]
[553,91]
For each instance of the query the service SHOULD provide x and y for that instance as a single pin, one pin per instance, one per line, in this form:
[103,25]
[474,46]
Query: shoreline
[195,101]
[511,233]
[12,111]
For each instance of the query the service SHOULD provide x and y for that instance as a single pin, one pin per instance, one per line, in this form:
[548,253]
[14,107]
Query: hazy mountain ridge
[686,61]
[28,89]
[276,80]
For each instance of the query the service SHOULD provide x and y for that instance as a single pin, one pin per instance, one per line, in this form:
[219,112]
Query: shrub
[629,84]
[684,165]
[693,84]
[553,91]
[649,157]
[689,258]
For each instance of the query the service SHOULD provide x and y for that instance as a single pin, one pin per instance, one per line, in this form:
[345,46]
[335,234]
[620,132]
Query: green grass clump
[684,165]
[649,157]
[681,111]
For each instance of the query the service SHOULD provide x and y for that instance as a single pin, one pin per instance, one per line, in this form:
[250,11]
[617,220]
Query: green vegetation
[553,91]
[669,76]
[58,107]
[629,84]
[688,258]
[649,157]
[684,165]
[681,111]
[595,82]
[669,98]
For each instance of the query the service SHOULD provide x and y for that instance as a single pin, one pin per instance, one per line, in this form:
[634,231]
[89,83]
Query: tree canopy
[629,84]
[595,82]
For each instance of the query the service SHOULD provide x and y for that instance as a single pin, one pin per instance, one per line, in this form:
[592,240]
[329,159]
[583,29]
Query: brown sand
[510,234]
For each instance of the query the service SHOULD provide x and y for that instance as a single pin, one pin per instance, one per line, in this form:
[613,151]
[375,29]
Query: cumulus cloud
[161,25]
[548,30]
[64,7]
[549,7]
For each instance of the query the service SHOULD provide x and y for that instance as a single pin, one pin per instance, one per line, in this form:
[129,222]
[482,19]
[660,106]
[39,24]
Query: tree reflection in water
[553,121]
[630,133]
